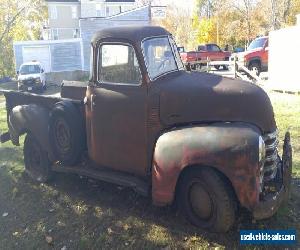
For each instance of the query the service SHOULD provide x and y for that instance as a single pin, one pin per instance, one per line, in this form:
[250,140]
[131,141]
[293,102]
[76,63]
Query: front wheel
[207,199]
[37,164]
[255,68]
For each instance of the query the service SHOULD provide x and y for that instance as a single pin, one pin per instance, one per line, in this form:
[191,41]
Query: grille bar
[271,159]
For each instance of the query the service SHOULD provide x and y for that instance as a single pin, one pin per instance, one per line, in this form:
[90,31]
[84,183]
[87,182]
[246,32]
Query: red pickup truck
[208,51]
[255,58]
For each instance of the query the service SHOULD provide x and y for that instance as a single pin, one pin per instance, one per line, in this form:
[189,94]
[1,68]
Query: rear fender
[231,148]
[29,118]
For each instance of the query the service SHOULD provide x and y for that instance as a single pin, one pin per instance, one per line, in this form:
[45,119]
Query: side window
[117,63]
[209,47]
[215,48]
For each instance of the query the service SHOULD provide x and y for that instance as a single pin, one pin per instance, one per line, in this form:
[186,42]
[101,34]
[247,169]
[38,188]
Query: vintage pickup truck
[206,142]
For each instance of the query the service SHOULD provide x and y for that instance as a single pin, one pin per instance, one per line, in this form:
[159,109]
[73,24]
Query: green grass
[287,114]
[82,214]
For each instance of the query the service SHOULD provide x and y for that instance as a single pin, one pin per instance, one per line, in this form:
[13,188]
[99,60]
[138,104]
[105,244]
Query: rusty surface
[73,90]
[230,148]
[123,122]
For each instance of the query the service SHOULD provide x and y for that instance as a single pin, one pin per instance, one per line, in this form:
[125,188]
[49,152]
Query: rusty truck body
[205,141]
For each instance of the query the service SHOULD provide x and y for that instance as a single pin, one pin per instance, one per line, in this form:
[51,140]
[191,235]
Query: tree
[19,20]
[206,30]
[179,23]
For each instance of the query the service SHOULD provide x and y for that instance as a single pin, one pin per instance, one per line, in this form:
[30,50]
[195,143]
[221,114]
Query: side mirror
[42,71]
[18,72]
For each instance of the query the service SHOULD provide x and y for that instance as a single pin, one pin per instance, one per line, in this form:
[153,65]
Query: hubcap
[201,202]
[255,70]
[62,135]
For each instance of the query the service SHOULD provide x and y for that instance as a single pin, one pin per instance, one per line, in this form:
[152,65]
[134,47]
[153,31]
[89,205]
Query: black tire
[217,67]
[37,164]
[66,131]
[211,189]
[198,67]
[225,67]
[255,67]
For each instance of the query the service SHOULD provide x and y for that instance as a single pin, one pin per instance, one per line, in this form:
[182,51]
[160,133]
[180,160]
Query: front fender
[29,118]
[231,148]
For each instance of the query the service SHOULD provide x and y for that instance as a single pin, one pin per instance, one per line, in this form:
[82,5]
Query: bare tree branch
[11,23]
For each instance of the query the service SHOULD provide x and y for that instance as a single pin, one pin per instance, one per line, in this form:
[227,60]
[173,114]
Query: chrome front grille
[28,82]
[271,158]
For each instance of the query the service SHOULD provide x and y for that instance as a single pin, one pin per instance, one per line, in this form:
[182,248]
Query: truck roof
[31,63]
[135,34]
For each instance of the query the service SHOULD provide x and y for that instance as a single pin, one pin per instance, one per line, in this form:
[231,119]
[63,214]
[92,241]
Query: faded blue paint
[65,56]
[18,56]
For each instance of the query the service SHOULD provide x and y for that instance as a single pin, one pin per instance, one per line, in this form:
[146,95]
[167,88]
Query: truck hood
[29,76]
[194,97]
[247,52]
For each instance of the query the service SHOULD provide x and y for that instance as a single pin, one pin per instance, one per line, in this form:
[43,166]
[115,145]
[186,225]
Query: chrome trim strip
[270,136]
[272,145]
[272,157]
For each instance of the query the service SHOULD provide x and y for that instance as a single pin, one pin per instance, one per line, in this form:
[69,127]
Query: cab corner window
[118,64]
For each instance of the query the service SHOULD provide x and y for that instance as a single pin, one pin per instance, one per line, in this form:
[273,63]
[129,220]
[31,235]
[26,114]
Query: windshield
[159,56]
[257,43]
[30,69]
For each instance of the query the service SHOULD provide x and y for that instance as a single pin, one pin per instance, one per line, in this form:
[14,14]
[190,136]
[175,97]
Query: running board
[107,175]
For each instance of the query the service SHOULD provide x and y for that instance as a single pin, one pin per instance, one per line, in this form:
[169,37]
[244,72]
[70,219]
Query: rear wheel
[255,68]
[66,131]
[198,67]
[217,67]
[207,199]
[37,164]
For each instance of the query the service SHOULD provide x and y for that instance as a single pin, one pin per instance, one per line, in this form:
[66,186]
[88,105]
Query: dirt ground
[73,212]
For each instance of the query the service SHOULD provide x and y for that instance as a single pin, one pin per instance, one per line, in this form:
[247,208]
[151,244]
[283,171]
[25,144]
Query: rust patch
[232,149]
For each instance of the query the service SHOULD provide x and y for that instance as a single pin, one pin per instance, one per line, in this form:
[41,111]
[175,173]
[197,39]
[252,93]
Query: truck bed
[15,98]
[73,90]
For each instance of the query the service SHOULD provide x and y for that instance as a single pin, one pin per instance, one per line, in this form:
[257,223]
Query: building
[284,58]
[64,15]
[65,54]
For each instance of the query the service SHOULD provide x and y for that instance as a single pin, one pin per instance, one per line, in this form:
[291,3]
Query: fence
[236,70]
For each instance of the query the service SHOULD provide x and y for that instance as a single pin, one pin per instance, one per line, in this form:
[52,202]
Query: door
[215,53]
[118,111]
[38,53]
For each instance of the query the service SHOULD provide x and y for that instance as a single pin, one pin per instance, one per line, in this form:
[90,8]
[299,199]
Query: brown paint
[156,129]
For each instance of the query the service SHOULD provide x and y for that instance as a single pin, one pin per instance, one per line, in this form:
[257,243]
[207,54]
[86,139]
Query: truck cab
[206,142]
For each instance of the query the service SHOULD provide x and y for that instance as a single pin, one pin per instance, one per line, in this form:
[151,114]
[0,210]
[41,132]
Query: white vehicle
[31,77]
